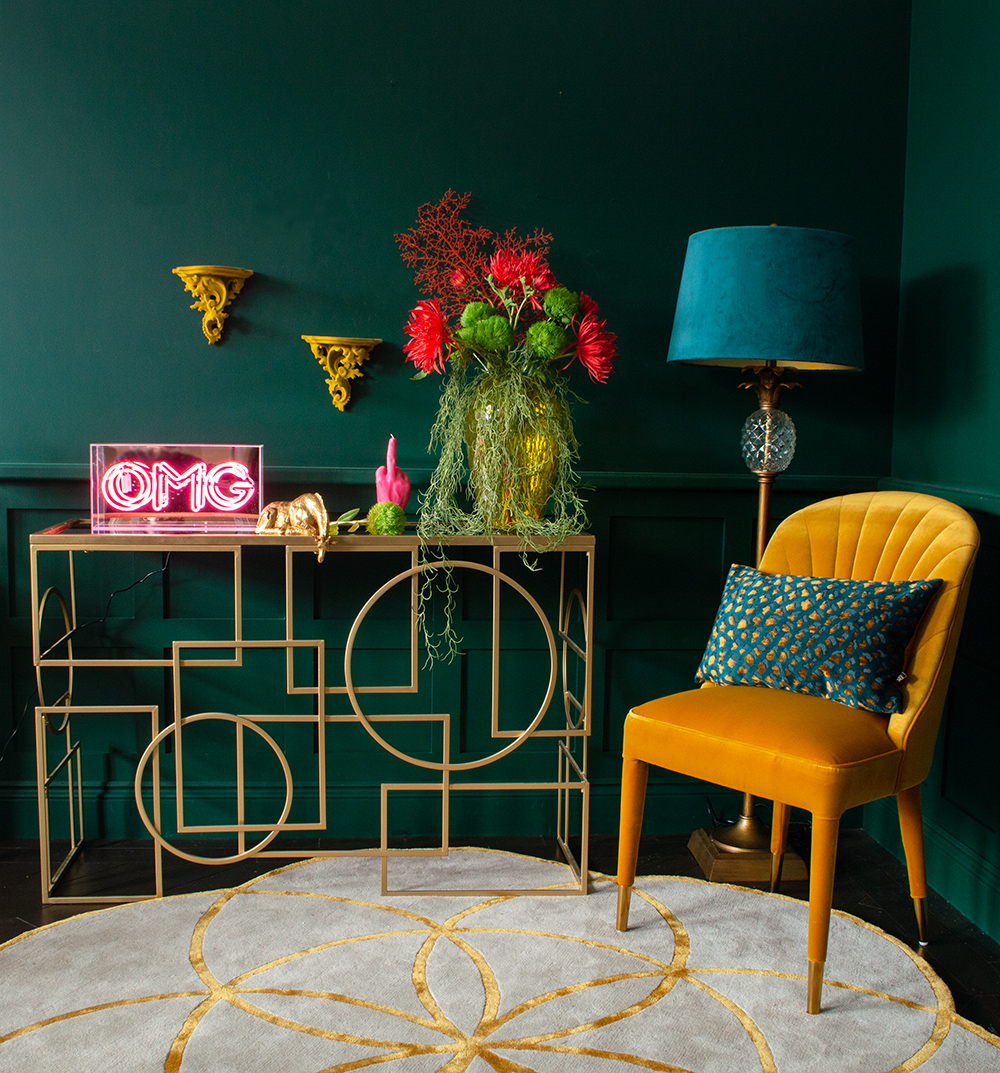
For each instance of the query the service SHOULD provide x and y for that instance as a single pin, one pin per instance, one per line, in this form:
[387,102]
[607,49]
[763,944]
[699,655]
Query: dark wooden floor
[870,883]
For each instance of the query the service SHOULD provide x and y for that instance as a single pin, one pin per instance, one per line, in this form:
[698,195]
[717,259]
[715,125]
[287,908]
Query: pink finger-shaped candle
[391,484]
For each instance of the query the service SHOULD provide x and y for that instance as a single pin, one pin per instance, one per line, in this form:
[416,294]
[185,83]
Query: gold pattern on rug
[310,960]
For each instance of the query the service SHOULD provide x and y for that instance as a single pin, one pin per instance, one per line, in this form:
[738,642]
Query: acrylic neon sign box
[176,488]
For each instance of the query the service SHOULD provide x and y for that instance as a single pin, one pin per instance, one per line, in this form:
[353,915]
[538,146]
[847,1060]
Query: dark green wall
[297,138]
[948,388]
[946,437]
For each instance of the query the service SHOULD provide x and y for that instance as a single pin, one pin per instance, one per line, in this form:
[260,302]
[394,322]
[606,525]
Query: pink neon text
[132,486]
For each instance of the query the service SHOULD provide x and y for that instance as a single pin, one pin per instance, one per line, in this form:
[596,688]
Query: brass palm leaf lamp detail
[765,300]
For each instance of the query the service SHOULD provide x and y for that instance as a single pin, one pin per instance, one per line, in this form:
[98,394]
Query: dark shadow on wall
[941,361]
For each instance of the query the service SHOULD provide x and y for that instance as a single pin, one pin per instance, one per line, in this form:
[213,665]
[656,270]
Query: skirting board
[967,880]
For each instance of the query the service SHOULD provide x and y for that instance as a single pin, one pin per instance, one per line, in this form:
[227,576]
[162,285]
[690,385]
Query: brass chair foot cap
[624,897]
[814,987]
[920,909]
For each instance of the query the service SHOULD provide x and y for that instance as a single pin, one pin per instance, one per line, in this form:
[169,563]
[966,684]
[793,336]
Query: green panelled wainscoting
[662,558]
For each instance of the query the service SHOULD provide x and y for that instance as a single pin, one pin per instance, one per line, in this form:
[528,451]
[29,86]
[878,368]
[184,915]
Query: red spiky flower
[429,337]
[595,346]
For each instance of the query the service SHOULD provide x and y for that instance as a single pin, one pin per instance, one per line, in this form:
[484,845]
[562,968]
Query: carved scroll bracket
[214,287]
[341,357]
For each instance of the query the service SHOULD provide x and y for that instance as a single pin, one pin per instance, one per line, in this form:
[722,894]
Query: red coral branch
[445,251]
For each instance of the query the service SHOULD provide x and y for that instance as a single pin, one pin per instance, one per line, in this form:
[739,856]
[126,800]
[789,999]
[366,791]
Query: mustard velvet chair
[808,751]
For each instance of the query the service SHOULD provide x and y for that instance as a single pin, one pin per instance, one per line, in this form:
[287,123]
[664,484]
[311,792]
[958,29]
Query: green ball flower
[476,311]
[561,304]
[546,339]
[492,333]
[386,518]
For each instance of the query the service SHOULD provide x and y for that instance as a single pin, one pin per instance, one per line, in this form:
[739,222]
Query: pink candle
[391,484]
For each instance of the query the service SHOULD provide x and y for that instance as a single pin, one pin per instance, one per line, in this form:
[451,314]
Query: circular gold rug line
[99,1007]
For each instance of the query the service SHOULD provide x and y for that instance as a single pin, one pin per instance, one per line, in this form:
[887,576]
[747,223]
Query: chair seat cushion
[801,750]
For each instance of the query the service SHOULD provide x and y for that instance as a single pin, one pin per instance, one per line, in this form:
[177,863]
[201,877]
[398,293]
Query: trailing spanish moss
[507,452]
[506,466]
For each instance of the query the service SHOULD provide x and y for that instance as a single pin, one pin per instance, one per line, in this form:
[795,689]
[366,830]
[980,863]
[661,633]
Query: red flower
[428,337]
[508,267]
[595,347]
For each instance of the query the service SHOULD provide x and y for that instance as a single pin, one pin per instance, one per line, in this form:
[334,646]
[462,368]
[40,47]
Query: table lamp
[767,299]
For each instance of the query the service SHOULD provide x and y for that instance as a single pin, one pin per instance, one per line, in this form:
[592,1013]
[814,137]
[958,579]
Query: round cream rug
[309,968]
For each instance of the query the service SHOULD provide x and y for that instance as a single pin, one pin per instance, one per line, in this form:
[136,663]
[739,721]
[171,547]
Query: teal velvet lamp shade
[767,299]
[752,296]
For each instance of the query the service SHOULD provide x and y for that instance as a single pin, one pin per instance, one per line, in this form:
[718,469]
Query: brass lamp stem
[764,483]
[748,833]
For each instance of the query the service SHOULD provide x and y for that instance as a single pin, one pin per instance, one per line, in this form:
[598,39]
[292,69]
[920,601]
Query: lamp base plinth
[723,865]
[746,835]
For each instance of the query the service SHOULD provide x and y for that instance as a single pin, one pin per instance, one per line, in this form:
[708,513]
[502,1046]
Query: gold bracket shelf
[214,287]
[341,357]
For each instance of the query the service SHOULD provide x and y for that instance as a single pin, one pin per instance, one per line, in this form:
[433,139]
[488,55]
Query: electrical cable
[17,725]
[67,636]
[107,610]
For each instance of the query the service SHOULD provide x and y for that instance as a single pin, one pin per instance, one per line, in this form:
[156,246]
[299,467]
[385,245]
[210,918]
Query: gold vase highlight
[512,440]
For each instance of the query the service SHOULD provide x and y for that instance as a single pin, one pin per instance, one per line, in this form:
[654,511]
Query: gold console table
[568,688]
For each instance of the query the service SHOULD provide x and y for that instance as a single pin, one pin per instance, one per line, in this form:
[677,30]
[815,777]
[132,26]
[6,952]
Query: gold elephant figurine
[305,515]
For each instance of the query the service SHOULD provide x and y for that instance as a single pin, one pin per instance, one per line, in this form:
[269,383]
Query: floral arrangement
[505,333]
[495,295]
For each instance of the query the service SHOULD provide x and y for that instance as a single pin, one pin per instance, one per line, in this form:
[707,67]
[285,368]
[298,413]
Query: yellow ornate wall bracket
[341,357]
[214,287]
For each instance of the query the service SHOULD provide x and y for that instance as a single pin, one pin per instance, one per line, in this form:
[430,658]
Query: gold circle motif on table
[66,697]
[414,571]
[154,830]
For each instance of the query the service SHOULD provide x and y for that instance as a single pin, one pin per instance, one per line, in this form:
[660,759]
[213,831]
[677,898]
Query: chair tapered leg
[634,775]
[825,831]
[911,826]
[779,837]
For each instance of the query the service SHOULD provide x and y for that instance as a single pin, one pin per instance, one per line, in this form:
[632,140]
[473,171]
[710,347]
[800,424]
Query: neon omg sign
[182,487]
[131,486]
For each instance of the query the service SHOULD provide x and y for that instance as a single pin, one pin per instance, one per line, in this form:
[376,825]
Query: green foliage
[489,485]
[547,339]
[476,311]
[347,517]
[492,333]
[503,406]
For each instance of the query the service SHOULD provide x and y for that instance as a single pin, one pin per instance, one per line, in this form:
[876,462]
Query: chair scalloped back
[893,536]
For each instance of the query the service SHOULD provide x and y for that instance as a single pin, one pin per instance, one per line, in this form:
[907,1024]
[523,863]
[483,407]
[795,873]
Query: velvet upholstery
[810,752]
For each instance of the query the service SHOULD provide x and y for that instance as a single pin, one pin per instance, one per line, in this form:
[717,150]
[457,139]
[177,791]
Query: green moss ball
[386,519]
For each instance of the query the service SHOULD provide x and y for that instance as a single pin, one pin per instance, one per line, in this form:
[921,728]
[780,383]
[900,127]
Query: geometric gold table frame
[569,781]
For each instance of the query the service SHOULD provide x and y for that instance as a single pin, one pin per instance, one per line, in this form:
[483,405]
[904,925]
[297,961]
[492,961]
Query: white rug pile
[310,969]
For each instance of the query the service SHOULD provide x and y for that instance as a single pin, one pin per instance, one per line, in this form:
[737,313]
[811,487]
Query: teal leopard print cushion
[828,637]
